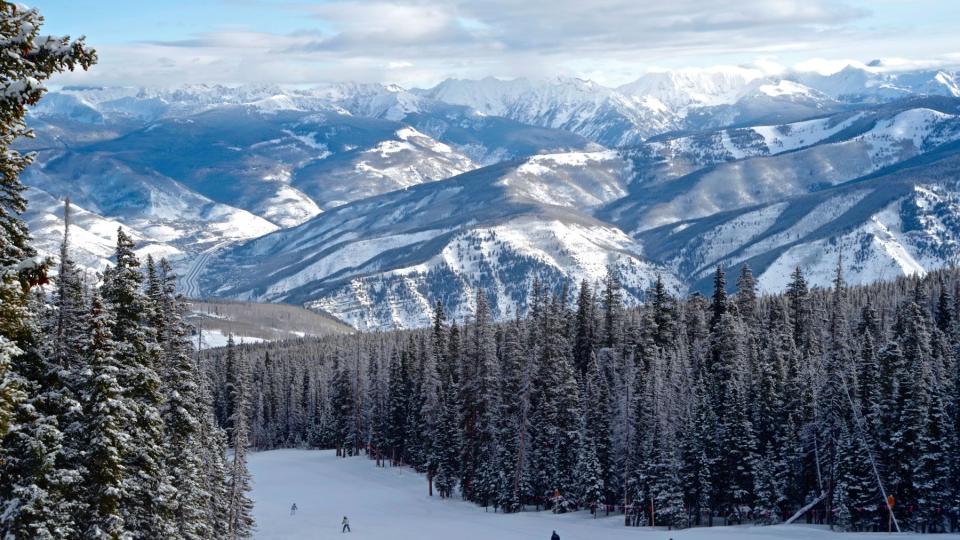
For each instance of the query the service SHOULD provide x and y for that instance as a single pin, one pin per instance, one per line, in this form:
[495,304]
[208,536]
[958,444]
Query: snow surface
[212,338]
[392,504]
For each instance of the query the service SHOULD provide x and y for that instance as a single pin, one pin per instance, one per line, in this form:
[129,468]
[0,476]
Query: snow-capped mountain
[373,201]
[872,83]
[600,114]
[682,89]
[698,176]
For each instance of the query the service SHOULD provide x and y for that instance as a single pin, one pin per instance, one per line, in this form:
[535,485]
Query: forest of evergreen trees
[687,412]
[717,410]
[107,428]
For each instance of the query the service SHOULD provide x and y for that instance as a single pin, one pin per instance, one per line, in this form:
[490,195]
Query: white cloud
[419,42]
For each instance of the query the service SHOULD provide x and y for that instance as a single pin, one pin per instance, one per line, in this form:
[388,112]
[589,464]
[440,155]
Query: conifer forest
[715,299]
[732,408]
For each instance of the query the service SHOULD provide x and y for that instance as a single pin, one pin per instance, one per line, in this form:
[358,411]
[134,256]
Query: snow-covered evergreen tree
[106,414]
[148,505]
[239,507]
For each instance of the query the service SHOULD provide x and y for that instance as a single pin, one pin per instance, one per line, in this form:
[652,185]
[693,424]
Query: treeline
[107,428]
[699,411]
[112,433]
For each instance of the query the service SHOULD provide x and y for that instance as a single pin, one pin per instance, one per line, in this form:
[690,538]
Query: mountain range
[372,202]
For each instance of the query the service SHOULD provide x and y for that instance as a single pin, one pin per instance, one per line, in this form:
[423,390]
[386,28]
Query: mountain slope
[733,169]
[583,107]
[384,261]
[885,225]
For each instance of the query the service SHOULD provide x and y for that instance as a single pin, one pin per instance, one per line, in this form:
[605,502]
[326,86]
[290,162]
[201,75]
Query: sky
[421,42]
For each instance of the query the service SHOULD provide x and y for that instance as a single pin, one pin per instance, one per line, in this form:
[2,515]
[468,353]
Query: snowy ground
[392,504]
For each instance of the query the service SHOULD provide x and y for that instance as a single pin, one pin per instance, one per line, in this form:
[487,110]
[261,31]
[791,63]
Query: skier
[554,536]
[293,509]
[346,525]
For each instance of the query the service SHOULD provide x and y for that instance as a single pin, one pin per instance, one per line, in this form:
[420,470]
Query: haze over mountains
[372,202]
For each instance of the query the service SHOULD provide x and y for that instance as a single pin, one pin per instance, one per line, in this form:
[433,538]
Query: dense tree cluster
[107,428]
[707,410]
[113,433]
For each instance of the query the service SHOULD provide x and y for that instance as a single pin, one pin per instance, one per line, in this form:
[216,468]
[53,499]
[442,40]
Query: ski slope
[392,504]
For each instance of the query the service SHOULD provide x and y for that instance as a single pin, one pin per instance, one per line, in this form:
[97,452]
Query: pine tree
[746,298]
[612,310]
[585,339]
[35,478]
[148,506]
[834,404]
[30,59]
[107,413]
[343,404]
[376,409]
[699,451]
[398,403]
[68,299]
[213,447]
[182,408]
[514,436]
[240,523]
[718,305]
[588,476]
[447,445]
[556,416]
[736,438]
[932,467]
[480,402]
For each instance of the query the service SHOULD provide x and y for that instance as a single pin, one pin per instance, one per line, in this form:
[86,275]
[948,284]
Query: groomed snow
[392,504]
[213,338]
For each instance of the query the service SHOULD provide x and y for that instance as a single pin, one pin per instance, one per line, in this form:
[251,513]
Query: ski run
[391,503]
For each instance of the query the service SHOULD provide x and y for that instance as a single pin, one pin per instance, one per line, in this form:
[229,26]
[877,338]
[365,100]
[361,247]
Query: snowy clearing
[392,503]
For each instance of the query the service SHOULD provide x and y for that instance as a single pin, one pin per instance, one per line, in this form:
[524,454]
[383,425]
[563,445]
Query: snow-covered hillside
[707,173]
[392,503]
[385,261]
[901,223]
[373,201]
[598,113]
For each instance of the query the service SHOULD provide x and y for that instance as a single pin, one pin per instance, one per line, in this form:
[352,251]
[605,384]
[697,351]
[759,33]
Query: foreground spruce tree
[93,443]
[181,411]
[239,507]
[38,492]
[106,413]
[28,61]
[148,505]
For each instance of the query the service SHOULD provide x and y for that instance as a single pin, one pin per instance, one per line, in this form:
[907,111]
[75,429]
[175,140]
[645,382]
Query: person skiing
[293,509]
[555,536]
[346,525]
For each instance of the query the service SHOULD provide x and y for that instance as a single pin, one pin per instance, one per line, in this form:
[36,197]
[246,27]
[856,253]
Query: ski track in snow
[392,504]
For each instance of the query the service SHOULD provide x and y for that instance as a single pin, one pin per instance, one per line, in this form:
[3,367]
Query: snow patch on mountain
[911,236]
[348,257]
[786,138]
[571,179]
[731,235]
[503,260]
[910,132]
[93,238]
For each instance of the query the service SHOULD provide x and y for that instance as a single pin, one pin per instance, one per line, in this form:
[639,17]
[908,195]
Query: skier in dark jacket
[293,509]
[555,536]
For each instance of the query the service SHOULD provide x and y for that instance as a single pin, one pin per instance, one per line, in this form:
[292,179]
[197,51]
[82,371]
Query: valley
[372,202]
